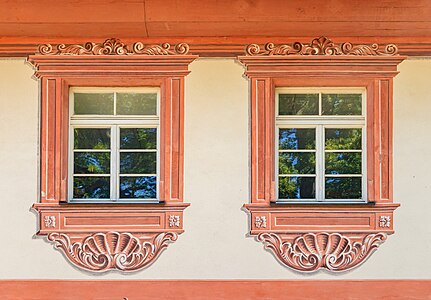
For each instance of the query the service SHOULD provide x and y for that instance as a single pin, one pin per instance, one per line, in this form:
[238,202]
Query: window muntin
[114,145]
[320,145]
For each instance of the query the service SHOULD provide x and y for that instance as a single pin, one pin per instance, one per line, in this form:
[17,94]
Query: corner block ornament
[102,252]
[260,222]
[49,221]
[313,251]
[114,46]
[321,46]
[174,221]
[385,221]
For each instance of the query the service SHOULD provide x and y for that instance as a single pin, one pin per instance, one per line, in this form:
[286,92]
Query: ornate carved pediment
[313,251]
[321,46]
[102,252]
[113,46]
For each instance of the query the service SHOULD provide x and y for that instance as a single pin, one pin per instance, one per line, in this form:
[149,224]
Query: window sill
[126,237]
[337,237]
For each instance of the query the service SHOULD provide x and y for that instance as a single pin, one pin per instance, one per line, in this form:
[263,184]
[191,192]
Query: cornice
[215,47]
[321,46]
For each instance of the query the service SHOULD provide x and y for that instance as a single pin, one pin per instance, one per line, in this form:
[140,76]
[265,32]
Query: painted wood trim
[92,237]
[215,289]
[286,230]
[214,46]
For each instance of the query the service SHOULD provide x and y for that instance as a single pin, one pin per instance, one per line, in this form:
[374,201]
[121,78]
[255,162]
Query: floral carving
[313,251]
[385,221]
[113,46]
[112,250]
[260,222]
[174,221]
[49,221]
[321,46]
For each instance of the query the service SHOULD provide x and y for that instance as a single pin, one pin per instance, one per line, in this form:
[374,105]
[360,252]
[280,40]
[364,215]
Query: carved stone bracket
[102,252]
[113,46]
[313,251]
[321,46]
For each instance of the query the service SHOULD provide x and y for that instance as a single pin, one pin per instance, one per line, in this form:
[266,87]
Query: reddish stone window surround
[101,237]
[336,237]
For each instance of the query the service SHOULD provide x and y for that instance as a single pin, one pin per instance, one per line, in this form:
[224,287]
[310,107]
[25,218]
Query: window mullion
[320,161]
[114,164]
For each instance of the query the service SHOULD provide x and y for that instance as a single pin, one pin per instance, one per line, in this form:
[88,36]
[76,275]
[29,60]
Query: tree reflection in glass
[138,163]
[136,104]
[298,104]
[297,157]
[341,104]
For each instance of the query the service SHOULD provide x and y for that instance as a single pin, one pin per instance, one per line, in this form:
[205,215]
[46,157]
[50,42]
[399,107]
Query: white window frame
[320,122]
[115,123]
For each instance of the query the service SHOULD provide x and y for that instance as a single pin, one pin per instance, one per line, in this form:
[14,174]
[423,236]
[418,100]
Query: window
[321,145]
[321,151]
[111,151]
[114,145]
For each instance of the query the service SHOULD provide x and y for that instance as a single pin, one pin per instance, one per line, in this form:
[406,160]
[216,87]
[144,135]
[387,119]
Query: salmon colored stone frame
[309,237]
[101,237]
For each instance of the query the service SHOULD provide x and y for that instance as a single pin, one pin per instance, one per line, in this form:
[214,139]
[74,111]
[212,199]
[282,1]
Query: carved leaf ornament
[114,46]
[321,46]
[313,251]
[105,251]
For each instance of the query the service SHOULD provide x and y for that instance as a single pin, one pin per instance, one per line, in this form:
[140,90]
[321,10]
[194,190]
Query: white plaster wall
[215,245]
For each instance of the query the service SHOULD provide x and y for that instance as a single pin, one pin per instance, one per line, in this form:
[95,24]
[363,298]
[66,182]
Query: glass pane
[298,104]
[343,163]
[297,138]
[92,138]
[92,163]
[343,188]
[138,187]
[136,104]
[138,138]
[91,187]
[297,163]
[94,104]
[341,104]
[138,162]
[296,188]
[343,139]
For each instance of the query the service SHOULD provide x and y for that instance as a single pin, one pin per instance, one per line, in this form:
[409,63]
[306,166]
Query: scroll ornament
[113,46]
[101,252]
[313,251]
[321,46]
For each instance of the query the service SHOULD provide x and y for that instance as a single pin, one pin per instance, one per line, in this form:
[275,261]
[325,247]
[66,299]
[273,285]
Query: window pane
[94,104]
[92,138]
[91,187]
[296,188]
[92,163]
[297,138]
[138,187]
[138,162]
[136,104]
[297,163]
[138,138]
[343,163]
[343,188]
[343,139]
[298,104]
[341,104]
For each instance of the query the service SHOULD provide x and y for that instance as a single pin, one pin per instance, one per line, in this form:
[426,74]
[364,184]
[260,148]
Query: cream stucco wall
[215,245]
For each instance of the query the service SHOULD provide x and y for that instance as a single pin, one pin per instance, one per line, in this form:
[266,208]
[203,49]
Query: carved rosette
[102,252]
[113,46]
[313,251]
[321,46]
